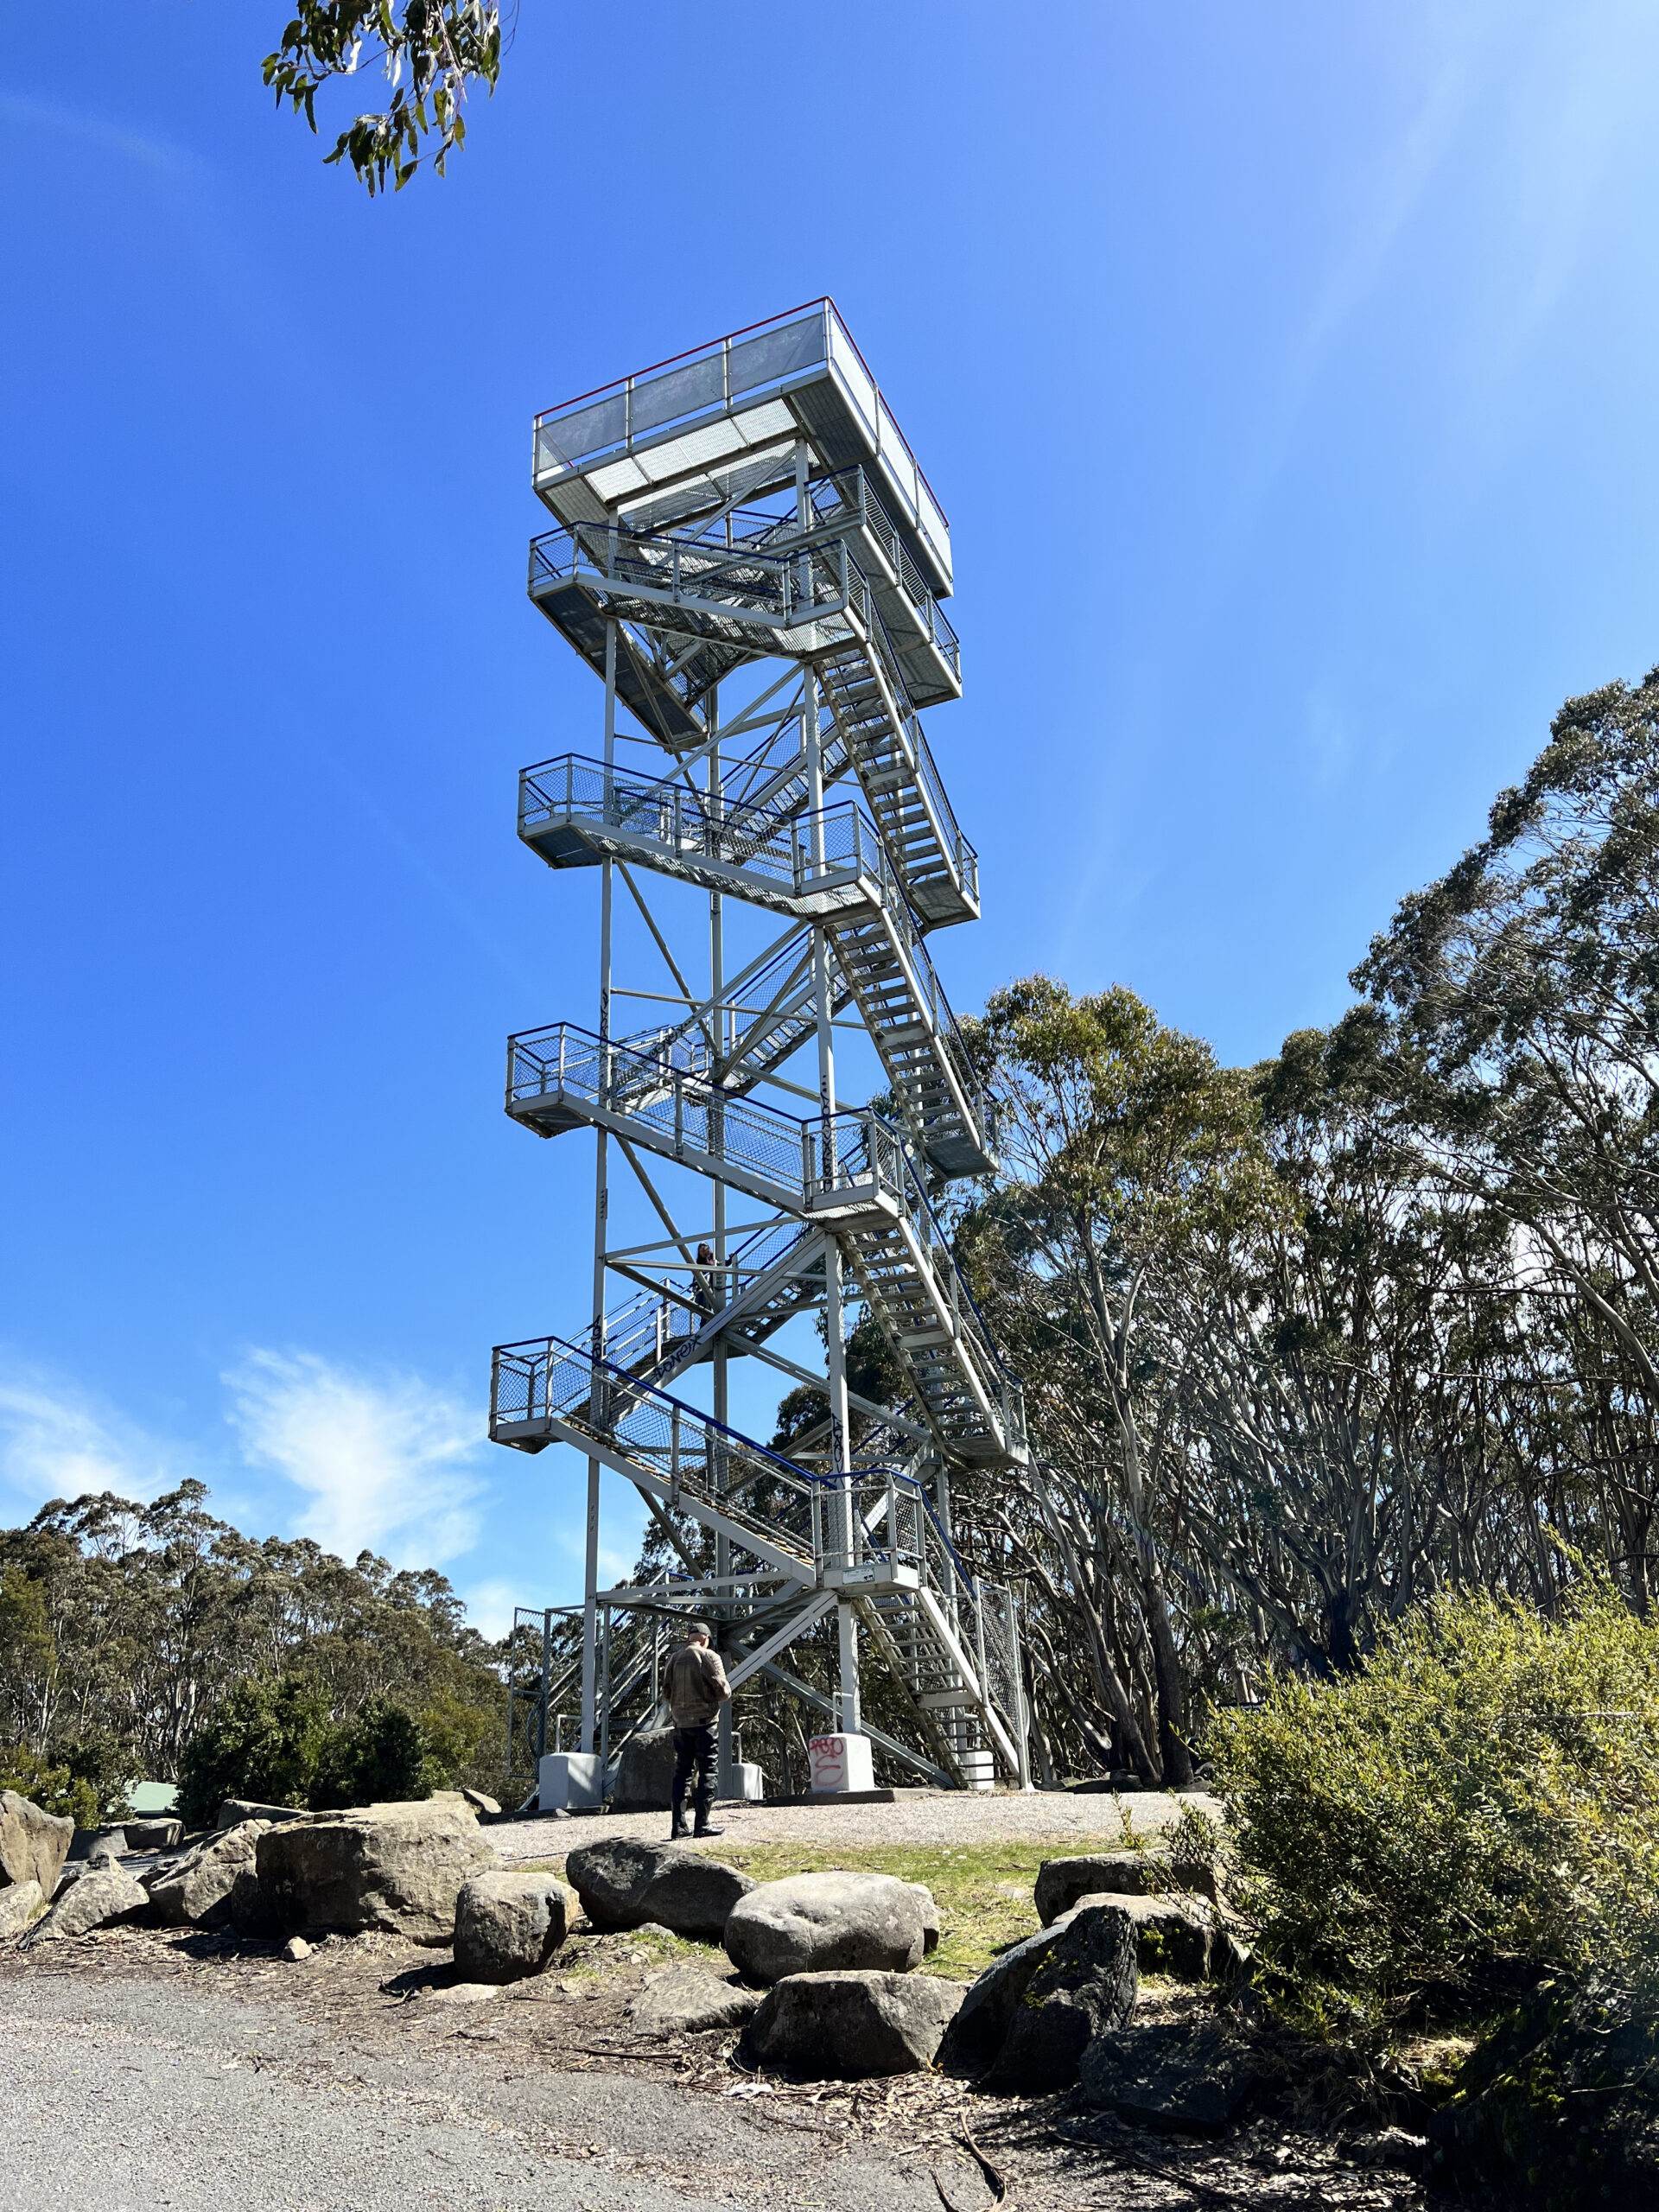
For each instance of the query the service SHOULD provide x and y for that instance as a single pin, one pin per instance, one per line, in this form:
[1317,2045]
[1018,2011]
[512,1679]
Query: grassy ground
[983,1890]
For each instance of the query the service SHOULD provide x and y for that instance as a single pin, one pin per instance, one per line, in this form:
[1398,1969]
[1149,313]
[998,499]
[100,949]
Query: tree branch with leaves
[431,52]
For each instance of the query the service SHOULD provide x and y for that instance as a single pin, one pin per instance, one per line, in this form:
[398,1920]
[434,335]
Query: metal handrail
[759,581]
[765,840]
[817,1154]
[625,387]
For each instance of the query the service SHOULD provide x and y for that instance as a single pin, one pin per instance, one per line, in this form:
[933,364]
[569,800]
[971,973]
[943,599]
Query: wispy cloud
[148,148]
[490,1606]
[386,1461]
[56,1441]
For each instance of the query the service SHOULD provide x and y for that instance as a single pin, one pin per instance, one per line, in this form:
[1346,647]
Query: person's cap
[697,1628]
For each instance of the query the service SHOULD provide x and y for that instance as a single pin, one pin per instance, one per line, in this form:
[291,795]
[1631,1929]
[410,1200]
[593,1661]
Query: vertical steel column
[848,1713]
[546,1690]
[601,1213]
[725,1781]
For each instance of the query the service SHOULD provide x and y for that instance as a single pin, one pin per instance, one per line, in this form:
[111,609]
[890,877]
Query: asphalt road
[132,2095]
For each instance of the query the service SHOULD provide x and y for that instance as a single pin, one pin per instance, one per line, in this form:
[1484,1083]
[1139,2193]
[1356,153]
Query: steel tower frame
[749,517]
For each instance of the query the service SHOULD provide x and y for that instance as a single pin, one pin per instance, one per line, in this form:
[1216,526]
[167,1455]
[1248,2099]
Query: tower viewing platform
[721,425]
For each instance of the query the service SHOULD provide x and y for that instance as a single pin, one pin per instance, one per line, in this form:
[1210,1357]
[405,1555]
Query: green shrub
[264,1742]
[1479,1804]
[377,1757]
[53,1789]
[277,1744]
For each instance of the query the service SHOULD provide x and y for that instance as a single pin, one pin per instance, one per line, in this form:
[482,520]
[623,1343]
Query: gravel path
[1070,1820]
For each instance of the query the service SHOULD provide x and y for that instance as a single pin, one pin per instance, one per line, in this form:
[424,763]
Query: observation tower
[750,560]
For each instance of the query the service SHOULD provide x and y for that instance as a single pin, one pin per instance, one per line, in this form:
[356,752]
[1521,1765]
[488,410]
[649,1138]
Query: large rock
[481,1801]
[194,1891]
[33,1844]
[623,1884]
[816,1923]
[852,2024]
[235,1810]
[106,1842]
[645,1774]
[930,1916]
[154,1835]
[980,2030]
[397,1867]
[1180,1938]
[252,1911]
[101,1897]
[1062,1883]
[1087,1983]
[1189,2075]
[509,1925]
[20,1903]
[688,2000]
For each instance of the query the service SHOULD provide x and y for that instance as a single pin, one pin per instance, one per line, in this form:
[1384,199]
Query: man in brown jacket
[696,1688]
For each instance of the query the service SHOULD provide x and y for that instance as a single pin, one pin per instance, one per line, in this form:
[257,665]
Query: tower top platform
[718,426]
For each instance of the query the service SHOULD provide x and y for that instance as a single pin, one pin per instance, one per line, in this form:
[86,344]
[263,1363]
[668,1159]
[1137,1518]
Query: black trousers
[693,1747]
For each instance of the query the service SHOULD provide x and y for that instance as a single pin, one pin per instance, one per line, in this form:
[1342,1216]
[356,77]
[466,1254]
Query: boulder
[849,2025]
[814,1924]
[252,1913]
[96,1843]
[644,1773]
[395,1867]
[101,1897]
[194,1891]
[1182,1939]
[106,1852]
[33,1844]
[978,2032]
[930,1917]
[1087,1983]
[20,1903]
[509,1925]
[481,1801]
[235,1810]
[688,2001]
[623,1883]
[154,1835]
[1062,1883]
[1189,2075]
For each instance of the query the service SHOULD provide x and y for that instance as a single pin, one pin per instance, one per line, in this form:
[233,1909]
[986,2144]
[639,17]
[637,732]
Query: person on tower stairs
[696,1688]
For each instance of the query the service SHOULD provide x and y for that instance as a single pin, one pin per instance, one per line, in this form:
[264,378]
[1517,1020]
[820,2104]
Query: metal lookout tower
[750,559]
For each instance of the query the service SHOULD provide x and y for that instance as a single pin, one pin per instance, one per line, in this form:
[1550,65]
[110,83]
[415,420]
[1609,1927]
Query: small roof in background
[148,1797]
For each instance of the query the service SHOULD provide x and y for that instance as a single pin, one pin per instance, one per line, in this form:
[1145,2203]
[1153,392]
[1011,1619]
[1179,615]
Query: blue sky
[1288,375]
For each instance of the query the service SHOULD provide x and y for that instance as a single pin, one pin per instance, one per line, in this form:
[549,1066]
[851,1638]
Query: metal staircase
[749,524]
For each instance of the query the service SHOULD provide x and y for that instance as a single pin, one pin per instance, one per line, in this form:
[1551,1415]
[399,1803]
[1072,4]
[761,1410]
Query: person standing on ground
[698,1687]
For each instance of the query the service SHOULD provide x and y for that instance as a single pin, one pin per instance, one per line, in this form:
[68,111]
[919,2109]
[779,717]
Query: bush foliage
[1476,1807]
[277,1745]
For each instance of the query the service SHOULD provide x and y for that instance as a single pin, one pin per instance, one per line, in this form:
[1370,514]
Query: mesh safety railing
[798,852]
[784,590]
[683,1112]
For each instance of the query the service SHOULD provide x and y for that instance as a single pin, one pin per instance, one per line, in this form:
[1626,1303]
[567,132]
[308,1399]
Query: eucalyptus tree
[1130,1159]
[1521,995]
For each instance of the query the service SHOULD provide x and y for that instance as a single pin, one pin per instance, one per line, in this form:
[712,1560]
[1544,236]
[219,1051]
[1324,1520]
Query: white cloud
[56,1442]
[385,1459]
[490,1606]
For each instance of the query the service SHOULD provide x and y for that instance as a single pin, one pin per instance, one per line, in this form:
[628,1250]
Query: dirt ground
[150,2068]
